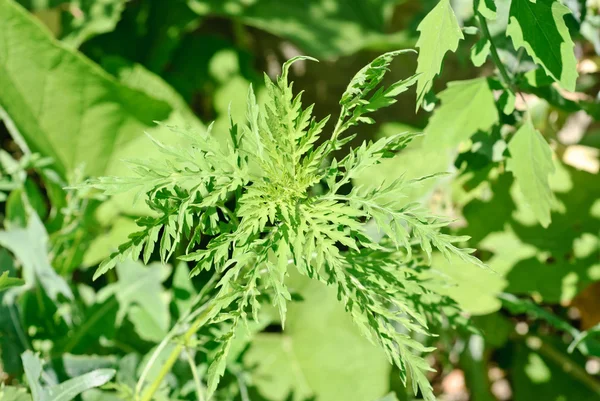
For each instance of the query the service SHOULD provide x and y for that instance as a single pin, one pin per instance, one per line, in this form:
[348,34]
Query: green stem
[494,51]
[570,367]
[195,375]
[174,355]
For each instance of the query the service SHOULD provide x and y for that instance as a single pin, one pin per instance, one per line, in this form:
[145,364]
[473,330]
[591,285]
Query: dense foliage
[344,250]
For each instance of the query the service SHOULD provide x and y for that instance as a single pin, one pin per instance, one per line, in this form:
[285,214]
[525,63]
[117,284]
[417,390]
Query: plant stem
[565,363]
[174,355]
[494,51]
[197,382]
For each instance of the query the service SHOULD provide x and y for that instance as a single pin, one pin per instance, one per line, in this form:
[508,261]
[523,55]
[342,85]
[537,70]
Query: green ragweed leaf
[540,28]
[249,209]
[466,107]
[439,33]
[531,163]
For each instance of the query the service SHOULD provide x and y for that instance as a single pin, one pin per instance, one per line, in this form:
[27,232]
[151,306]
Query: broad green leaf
[439,33]
[474,289]
[65,391]
[320,353]
[62,104]
[86,115]
[540,28]
[466,107]
[8,282]
[30,247]
[531,163]
[322,28]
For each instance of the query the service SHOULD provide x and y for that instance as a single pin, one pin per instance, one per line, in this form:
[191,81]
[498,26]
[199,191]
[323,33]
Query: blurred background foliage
[80,82]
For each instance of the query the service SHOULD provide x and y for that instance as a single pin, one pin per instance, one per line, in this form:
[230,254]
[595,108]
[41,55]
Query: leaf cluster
[249,211]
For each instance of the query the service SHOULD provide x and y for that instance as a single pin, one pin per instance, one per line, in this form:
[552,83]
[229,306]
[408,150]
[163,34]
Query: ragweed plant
[274,198]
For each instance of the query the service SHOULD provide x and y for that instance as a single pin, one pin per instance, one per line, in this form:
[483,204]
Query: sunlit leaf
[439,33]
[466,107]
[531,163]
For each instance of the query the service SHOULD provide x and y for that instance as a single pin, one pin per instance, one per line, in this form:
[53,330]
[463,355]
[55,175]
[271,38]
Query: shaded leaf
[86,19]
[321,28]
[540,28]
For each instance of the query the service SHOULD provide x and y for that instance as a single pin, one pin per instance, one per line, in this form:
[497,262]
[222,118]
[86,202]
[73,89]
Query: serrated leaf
[466,107]
[440,33]
[531,164]
[540,28]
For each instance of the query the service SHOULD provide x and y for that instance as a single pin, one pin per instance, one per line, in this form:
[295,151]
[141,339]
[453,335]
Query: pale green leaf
[475,290]
[540,28]
[68,108]
[439,33]
[320,353]
[466,107]
[531,164]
